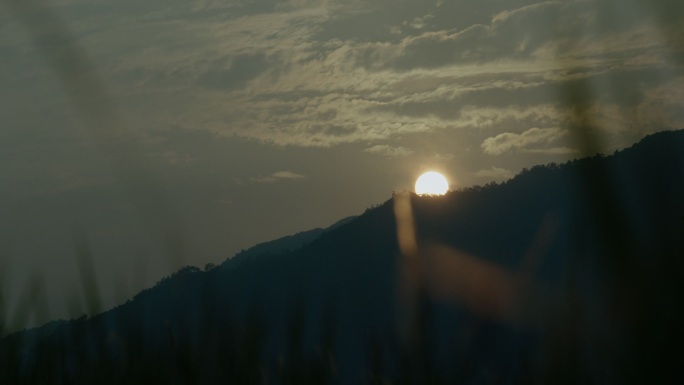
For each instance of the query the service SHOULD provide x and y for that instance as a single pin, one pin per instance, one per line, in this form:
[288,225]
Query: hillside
[281,245]
[564,274]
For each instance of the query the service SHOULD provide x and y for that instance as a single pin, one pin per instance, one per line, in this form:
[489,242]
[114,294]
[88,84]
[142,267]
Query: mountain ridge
[284,244]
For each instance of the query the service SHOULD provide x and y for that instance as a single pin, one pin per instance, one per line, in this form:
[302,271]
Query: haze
[171,133]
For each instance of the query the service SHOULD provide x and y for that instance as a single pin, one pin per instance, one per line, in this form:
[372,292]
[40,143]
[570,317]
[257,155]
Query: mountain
[564,274]
[282,245]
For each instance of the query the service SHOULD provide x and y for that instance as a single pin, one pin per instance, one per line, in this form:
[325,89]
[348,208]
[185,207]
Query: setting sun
[432,183]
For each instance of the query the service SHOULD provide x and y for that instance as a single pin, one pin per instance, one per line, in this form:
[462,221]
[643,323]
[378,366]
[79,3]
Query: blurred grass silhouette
[109,131]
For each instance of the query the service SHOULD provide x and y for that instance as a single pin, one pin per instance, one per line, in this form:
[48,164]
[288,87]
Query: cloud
[237,73]
[547,32]
[288,175]
[419,22]
[319,74]
[494,173]
[278,176]
[389,151]
[534,140]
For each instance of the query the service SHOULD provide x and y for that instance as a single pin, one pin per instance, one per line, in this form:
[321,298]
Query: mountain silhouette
[282,245]
[564,274]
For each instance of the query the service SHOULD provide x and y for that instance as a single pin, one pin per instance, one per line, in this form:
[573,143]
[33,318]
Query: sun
[432,183]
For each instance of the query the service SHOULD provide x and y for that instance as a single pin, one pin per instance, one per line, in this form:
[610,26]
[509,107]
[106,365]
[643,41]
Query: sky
[161,133]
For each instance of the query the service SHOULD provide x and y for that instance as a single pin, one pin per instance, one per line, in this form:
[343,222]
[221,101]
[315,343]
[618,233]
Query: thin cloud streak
[278,176]
[532,140]
[389,151]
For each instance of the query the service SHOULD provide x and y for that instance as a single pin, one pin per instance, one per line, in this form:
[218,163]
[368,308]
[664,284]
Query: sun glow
[432,183]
